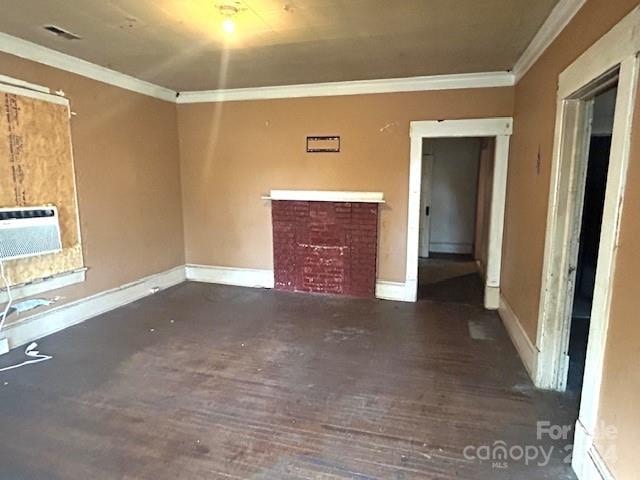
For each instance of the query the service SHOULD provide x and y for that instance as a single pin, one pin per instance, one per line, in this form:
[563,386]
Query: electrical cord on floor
[31,352]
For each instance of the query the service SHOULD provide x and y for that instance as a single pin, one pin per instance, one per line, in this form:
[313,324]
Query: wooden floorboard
[216,382]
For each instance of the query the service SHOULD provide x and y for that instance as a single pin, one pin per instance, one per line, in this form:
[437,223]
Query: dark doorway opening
[590,228]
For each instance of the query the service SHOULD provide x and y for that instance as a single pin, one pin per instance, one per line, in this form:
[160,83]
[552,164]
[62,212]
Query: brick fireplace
[325,244]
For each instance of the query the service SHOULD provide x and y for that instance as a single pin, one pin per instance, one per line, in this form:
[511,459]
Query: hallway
[450,278]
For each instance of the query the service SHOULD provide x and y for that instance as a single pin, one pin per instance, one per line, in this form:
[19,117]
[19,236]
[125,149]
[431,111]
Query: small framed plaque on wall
[325,144]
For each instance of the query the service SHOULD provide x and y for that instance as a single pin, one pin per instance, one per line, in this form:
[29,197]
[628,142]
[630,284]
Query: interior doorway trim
[500,128]
[615,52]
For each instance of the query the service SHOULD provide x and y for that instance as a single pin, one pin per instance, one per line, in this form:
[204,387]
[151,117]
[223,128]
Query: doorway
[588,236]
[449,195]
[452,219]
[499,130]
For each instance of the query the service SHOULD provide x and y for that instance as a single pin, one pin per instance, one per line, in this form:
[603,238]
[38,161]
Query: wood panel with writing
[36,168]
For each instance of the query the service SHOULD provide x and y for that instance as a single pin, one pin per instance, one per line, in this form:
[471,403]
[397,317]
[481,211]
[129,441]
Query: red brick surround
[325,247]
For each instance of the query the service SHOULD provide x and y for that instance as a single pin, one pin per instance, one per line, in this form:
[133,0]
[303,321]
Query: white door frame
[500,128]
[617,49]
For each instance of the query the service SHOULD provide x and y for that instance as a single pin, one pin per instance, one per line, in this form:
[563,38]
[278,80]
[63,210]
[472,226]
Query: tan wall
[232,153]
[128,178]
[483,208]
[620,395]
[528,185]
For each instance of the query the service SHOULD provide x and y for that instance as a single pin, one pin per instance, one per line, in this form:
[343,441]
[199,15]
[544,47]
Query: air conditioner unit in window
[29,231]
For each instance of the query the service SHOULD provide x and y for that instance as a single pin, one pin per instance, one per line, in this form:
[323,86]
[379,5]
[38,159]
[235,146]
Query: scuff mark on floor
[479,330]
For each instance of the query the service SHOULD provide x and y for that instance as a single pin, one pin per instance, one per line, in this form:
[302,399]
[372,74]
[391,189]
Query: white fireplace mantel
[326,196]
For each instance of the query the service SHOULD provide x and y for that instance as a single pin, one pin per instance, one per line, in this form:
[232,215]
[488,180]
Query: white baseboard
[526,349]
[35,326]
[491,297]
[40,325]
[586,461]
[596,467]
[396,291]
[445,247]
[263,278]
[240,277]
[581,444]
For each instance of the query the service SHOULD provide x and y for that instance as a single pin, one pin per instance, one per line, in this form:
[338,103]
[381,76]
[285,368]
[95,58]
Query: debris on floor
[31,304]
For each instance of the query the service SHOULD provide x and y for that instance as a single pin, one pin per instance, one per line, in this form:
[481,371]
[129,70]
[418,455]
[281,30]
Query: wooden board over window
[36,168]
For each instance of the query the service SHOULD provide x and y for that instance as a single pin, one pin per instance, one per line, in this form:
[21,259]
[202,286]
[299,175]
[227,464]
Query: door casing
[500,128]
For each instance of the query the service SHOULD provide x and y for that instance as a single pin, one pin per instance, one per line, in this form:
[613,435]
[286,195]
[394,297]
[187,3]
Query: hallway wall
[454,184]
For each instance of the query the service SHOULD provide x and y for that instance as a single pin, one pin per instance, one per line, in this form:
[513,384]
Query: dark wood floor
[215,382]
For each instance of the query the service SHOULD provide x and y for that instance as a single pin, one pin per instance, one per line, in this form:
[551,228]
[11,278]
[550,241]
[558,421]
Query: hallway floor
[215,382]
[450,278]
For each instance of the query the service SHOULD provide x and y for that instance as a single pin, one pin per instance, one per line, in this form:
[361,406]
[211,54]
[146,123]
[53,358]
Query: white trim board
[4,79]
[17,87]
[472,127]
[326,196]
[44,285]
[557,20]
[240,277]
[596,467]
[46,56]
[449,247]
[587,462]
[33,327]
[396,291]
[357,87]
[526,349]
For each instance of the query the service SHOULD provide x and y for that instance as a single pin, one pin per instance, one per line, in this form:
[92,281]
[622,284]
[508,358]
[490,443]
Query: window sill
[45,285]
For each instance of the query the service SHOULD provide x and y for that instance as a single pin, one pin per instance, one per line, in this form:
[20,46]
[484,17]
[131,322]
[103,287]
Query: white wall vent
[29,231]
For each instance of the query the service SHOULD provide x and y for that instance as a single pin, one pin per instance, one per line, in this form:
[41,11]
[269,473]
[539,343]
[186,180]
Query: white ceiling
[180,44]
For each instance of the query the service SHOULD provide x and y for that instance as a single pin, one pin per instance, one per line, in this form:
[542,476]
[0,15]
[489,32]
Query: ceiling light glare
[228,26]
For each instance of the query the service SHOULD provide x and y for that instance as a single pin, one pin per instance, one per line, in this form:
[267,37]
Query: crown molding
[358,87]
[37,53]
[557,20]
